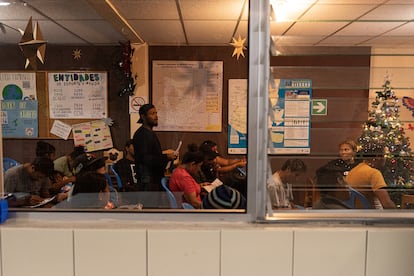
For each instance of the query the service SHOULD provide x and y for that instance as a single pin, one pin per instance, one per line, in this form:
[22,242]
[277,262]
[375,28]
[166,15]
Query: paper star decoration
[32,45]
[238,45]
[77,54]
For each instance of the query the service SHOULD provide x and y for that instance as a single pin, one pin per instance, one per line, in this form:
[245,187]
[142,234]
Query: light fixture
[3,3]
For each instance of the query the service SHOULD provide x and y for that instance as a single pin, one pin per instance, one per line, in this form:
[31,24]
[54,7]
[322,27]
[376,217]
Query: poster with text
[78,95]
[18,86]
[188,95]
[19,118]
[290,116]
[237,112]
[94,135]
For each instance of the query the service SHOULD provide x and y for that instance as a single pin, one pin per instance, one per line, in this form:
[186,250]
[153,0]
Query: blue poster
[290,116]
[19,118]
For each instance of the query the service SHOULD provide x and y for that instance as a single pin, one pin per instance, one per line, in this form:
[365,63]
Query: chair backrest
[354,194]
[187,205]
[170,195]
[8,163]
[117,177]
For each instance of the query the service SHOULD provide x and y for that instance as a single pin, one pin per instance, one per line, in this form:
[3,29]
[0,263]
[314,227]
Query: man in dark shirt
[126,168]
[150,160]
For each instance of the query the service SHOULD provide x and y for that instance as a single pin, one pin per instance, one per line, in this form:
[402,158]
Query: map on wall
[188,95]
[78,95]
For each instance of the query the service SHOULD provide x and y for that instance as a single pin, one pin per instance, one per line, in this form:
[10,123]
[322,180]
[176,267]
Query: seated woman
[333,188]
[91,191]
[182,178]
[347,160]
[224,165]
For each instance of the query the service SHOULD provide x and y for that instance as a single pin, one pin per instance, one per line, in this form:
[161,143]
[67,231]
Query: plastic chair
[187,205]
[171,197]
[354,194]
[117,177]
[8,163]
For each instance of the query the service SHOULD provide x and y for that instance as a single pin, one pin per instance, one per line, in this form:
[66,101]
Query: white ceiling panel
[399,12]
[64,10]
[52,33]
[367,28]
[207,22]
[296,40]
[212,9]
[160,32]
[314,28]
[147,9]
[343,40]
[336,12]
[95,32]
[199,32]
[391,41]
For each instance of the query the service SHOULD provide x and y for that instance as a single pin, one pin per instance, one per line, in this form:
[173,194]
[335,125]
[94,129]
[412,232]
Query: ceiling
[378,23]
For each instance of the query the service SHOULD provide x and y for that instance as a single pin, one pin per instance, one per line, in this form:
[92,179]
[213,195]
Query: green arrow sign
[319,107]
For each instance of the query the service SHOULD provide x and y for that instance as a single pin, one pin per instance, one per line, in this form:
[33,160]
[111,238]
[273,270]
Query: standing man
[150,160]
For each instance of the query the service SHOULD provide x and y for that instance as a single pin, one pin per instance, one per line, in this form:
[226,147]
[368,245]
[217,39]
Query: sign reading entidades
[19,119]
[290,116]
[78,95]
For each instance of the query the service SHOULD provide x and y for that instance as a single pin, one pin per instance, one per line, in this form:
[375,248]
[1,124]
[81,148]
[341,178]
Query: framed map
[188,95]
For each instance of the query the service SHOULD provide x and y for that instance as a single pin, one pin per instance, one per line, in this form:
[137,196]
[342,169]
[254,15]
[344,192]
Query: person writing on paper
[150,159]
[280,186]
[182,178]
[224,165]
[29,182]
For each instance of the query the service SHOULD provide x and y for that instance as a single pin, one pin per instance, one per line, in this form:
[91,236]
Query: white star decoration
[77,54]
[238,45]
[32,45]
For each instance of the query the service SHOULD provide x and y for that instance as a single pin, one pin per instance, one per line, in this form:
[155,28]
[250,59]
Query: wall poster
[188,95]
[78,95]
[19,119]
[290,116]
[18,86]
[237,112]
[94,135]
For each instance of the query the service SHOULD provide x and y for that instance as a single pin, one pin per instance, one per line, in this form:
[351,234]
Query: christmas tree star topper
[238,45]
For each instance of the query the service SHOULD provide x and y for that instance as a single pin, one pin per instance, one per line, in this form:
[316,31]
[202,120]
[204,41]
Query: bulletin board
[78,86]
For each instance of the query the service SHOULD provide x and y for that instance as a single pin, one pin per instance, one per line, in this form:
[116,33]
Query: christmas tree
[384,128]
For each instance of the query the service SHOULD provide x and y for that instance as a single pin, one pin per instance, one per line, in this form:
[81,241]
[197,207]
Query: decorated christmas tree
[384,128]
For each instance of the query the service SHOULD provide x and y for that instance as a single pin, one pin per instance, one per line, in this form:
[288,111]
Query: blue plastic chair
[117,177]
[8,163]
[354,194]
[187,205]
[170,195]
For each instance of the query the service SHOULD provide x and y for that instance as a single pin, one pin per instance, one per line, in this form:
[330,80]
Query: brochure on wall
[237,112]
[188,95]
[94,135]
[19,118]
[18,86]
[78,95]
[290,116]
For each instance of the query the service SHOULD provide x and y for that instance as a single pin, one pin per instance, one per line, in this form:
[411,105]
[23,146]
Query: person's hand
[241,163]
[171,154]
[61,196]
[35,199]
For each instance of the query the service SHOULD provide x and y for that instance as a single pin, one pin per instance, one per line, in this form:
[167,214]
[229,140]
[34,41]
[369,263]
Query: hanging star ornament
[32,45]
[238,45]
[77,53]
